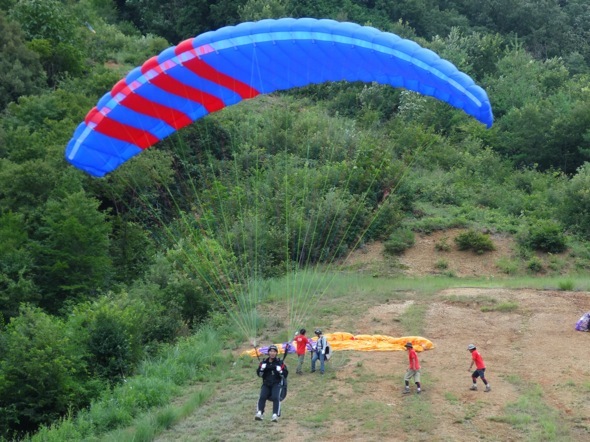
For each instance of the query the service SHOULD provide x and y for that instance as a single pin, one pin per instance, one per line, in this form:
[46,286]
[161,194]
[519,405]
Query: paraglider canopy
[221,68]
[341,341]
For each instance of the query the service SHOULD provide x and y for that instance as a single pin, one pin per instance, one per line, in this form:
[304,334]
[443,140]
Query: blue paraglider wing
[220,68]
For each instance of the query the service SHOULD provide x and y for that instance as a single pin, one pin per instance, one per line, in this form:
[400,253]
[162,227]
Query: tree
[546,113]
[523,80]
[109,347]
[578,12]
[576,204]
[25,187]
[177,20]
[254,10]
[427,17]
[21,72]
[474,53]
[131,249]
[141,184]
[51,31]
[16,266]
[42,370]
[5,5]
[38,127]
[523,135]
[72,250]
[117,329]
[189,278]
[570,138]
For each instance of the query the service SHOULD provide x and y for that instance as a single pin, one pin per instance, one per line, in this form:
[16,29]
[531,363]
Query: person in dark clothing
[273,372]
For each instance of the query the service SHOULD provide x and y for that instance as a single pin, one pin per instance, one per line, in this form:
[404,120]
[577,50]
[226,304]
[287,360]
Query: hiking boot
[488,388]
[258,416]
[406,390]
[418,391]
[275,418]
[473,387]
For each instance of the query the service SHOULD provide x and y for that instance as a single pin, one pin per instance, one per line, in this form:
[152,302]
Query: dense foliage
[97,275]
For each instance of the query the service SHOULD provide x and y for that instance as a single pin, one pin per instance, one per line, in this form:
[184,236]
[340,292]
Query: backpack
[283,393]
[284,384]
[327,348]
[328,353]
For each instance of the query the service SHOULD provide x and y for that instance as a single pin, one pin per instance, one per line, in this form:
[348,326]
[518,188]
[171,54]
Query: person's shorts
[412,374]
[479,373]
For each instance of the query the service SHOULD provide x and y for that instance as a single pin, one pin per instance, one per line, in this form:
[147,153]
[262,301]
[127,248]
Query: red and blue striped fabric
[221,68]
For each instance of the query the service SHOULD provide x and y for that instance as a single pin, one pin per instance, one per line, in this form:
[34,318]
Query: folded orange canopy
[347,341]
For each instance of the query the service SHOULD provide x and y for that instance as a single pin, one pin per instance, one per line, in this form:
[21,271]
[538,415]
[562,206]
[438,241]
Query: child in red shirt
[480,368]
[301,343]
[413,370]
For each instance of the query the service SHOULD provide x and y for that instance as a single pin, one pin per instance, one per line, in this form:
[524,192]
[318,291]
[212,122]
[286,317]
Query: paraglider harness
[283,393]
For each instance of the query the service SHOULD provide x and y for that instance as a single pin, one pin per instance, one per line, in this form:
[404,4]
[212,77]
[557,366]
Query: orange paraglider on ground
[342,341]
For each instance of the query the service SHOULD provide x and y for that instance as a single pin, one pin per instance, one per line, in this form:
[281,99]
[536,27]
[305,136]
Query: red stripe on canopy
[109,127]
[173,86]
[207,72]
[145,106]
[171,116]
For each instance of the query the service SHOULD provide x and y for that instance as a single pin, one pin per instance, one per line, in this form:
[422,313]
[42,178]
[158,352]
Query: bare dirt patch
[425,259]
[422,259]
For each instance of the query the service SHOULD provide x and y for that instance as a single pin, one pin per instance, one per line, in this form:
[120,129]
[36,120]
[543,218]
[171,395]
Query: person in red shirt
[480,368]
[413,370]
[301,342]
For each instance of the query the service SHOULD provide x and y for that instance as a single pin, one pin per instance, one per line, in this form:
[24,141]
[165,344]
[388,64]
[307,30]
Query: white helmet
[471,347]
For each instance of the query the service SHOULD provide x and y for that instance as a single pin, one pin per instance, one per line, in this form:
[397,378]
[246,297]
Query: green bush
[507,265]
[442,245]
[557,264]
[546,236]
[400,240]
[476,241]
[432,224]
[441,264]
[575,214]
[566,285]
[110,348]
[535,265]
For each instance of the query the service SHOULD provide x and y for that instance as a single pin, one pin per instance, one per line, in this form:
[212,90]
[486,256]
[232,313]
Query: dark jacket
[274,372]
